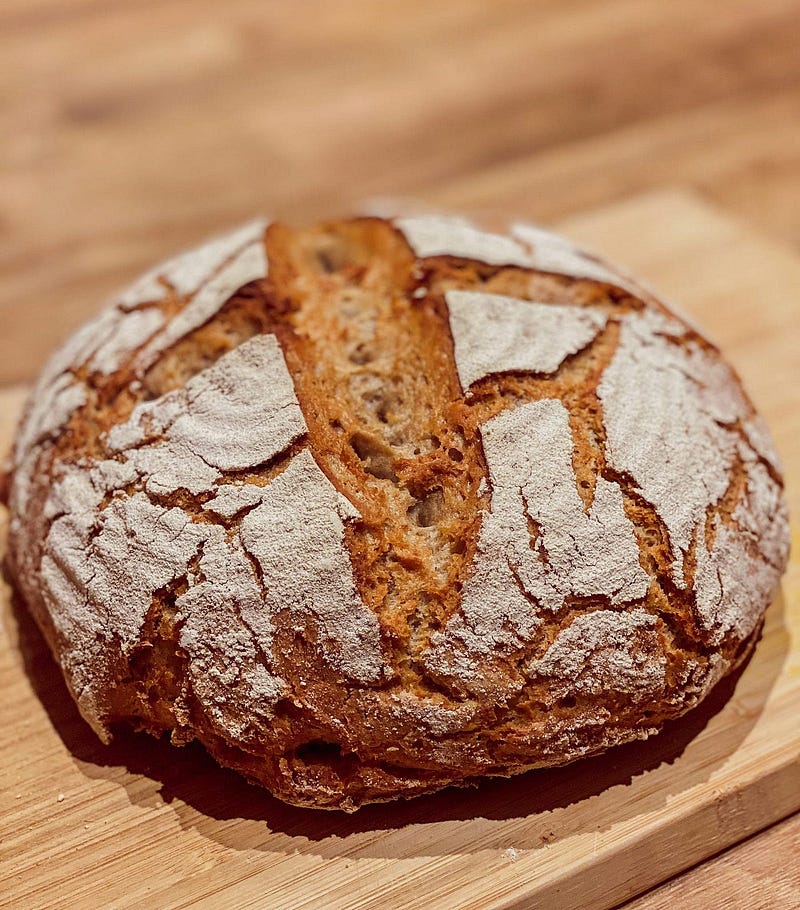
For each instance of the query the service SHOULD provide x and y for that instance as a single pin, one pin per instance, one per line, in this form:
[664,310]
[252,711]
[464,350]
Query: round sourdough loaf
[386,505]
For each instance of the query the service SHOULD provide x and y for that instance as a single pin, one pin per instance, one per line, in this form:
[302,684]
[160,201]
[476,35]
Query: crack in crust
[503,583]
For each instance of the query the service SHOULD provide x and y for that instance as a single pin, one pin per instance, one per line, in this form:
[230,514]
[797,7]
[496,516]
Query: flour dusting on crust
[228,637]
[99,588]
[297,536]
[249,264]
[515,576]
[738,573]
[551,253]
[129,331]
[672,440]
[186,272]
[496,334]
[239,413]
[529,452]
[603,653]
[450,235]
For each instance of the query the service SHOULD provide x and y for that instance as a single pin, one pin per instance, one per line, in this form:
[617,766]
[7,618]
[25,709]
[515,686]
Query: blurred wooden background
[130,129]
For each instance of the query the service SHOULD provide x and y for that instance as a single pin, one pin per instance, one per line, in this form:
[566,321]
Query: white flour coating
[551,253]
[494,334]
[665,409]
[495,615]
[239,413]
[451,235]
[227,634]
[760,439]
[49,409]
[56,395]
[79,489]
[297,536]
[248,265]
[129,330]
[230,499]
[141,547]
[528,451]
[407,709]
[529,454]
[731,583]
[762,513]
[736,578]
[187,271]
[108,339]
[603,653]
[98,590]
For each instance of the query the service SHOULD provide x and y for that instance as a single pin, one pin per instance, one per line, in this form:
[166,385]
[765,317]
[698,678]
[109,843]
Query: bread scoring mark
[374,370]
[603,654]
[248,264]
[450,235]
[187,272]
[514,577]
[240,412]
[493,333]
[129,330]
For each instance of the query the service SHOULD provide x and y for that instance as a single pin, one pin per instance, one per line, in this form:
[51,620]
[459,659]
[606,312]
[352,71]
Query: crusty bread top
[299,486]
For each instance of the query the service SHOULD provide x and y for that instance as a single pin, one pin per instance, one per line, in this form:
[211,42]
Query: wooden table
[130,130]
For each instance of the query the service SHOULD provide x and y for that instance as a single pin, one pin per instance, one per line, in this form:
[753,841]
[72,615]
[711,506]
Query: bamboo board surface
[141,824]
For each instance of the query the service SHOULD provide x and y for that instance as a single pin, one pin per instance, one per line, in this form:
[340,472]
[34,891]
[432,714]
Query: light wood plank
[758,875]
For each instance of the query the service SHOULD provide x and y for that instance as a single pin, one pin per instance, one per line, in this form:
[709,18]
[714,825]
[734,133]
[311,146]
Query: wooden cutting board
[142,825]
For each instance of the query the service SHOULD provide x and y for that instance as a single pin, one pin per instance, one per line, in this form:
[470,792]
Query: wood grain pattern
[140,824]
[760,874]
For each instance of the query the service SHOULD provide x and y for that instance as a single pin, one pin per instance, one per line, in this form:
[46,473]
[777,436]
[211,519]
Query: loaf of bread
[386,505]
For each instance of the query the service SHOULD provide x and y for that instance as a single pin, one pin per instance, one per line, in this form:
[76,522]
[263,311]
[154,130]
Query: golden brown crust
[369,516]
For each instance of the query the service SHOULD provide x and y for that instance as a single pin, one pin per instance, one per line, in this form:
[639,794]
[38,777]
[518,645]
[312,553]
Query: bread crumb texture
[381,506]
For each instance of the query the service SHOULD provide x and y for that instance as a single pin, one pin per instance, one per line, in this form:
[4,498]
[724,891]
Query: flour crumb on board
[511,854]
